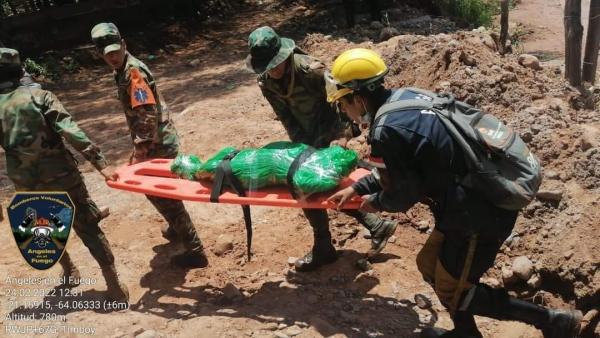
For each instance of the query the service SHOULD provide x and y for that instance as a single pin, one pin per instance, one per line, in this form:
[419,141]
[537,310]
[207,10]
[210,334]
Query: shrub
[472,13]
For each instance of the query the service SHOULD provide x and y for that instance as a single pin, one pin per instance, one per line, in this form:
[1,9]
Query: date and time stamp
[39,305]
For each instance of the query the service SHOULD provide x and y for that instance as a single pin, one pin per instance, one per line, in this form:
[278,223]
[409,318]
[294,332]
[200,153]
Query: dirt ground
[543,20]
[215,103]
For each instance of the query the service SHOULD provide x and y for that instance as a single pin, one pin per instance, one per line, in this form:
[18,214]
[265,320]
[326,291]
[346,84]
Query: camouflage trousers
[85,223]
[178,218]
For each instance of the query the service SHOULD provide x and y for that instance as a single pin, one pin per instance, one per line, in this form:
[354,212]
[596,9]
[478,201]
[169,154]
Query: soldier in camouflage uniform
[152,132]
[33,126]
[294,84]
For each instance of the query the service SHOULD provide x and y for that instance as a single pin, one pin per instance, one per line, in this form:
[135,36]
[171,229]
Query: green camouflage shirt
[152,130]
[299,100]
[33,126]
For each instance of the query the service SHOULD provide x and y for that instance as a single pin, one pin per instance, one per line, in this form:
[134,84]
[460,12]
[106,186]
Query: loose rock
[568,254]
[422,301]
[529,61]
[508,276]
[493,282]
[363,264]
[522,267]
[550,195]
[535,281]
[224,244]
[293,330]
[231,292]
[467,59]
[423,226]
[387,33]
[552,175]
[489,42]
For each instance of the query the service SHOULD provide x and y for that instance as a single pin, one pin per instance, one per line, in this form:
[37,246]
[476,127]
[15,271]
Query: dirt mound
[559,230]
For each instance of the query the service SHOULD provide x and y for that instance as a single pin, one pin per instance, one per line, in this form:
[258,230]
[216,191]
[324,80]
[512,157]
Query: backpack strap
[471,159]
[394,103]
[442,105]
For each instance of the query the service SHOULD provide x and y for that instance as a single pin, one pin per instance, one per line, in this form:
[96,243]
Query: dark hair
[10,72]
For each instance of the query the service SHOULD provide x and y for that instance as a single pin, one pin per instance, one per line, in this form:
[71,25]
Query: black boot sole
[189,261]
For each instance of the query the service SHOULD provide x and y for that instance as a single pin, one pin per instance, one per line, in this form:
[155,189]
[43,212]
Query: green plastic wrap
[186,166]
[269,166]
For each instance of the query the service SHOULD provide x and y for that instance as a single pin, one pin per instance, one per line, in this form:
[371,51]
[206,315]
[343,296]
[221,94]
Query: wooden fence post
[573,41]
[503,25]
[592,43]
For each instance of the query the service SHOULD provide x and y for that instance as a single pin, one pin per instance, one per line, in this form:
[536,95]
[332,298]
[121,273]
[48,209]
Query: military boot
[71,275]
[380,234]
[380,229]
[190,259]
[496,303]
[115,290]
[553,323]
[194,256]
[316,258]
[322,253]
[563,323]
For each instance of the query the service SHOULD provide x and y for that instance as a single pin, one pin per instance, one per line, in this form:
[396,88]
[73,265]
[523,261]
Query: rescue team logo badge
[41,223]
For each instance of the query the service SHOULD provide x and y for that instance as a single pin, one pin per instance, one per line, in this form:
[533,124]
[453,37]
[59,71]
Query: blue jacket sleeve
[404,153]
[367,185]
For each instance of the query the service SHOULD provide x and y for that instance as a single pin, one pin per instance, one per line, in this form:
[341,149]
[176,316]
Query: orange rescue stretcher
[154,177]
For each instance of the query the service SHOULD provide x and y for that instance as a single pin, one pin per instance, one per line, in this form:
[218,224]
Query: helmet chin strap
[365,118]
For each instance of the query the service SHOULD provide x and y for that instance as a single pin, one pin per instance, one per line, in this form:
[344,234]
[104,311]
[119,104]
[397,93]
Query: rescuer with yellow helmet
[418,160]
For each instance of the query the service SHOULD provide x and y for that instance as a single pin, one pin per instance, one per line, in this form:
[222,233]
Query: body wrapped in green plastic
[268,166]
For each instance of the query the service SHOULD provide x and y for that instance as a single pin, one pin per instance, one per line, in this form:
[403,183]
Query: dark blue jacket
[421,158]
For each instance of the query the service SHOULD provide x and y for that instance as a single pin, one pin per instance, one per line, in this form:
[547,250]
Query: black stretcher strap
[224,176]
[296,163]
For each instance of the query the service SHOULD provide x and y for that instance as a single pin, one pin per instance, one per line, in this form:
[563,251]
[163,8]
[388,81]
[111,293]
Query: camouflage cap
[106,37]
[9,57]
[267,49]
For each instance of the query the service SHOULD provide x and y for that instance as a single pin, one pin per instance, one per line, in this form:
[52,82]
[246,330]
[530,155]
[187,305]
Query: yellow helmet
[353,70]
[334,90]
